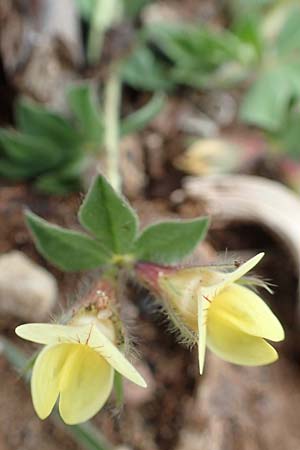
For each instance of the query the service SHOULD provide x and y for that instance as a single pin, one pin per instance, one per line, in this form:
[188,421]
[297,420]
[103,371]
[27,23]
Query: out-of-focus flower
[228,317]
[78,361]
[209,157]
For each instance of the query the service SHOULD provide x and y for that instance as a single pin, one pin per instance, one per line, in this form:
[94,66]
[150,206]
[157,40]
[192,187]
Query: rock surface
[27,291]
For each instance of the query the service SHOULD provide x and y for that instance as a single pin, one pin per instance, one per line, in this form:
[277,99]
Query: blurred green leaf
[169,242]
[143,71]
[86,8]
[139,119]
[266,103]
[88,436]
[82,101]
[109,217]
[51,147]
[194,46]
[202,57]
[35,120]
[248,30]
[288,137]
[134,7]
[289,37]
[66,249]
[57,185]
[13,171]
[36,153]
[243,8]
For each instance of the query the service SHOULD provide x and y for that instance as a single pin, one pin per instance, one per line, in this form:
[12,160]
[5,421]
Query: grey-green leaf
[139,119]
[35,152]
[169,242]
[267,101]
[66,249]
[35,120]
[143,71]
[82,101]
[109,217]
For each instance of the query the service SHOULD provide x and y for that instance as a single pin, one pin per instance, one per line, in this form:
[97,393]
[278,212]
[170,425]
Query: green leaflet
[91,121]
[66,249]
[169,242]
[139,119]
[109,217]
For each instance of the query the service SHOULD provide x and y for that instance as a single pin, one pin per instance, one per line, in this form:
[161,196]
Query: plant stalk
[112,98]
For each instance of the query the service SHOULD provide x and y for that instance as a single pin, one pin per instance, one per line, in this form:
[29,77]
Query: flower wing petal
[247,311]
[233,345]
[47,333]
[114,357]
[85,384]
[45,378]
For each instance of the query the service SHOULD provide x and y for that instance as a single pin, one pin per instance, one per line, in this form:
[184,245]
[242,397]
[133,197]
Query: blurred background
[199,102]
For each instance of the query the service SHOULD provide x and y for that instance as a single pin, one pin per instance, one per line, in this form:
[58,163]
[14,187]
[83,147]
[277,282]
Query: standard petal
[85,384]
[99,342]
[233,345]
[45,378]
[47,333]
[203,306]
[244,309]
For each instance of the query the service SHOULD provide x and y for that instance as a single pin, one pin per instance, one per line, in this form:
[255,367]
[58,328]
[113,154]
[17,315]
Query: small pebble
[27,291]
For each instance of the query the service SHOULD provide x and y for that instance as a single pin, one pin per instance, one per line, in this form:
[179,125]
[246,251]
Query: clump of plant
[54,150]
[208,306]
[259,51]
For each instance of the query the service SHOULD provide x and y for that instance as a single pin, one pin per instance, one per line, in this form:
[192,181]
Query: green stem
[95,35]
[112,98]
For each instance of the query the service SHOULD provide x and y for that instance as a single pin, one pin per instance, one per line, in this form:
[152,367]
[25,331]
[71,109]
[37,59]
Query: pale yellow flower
[77,365]
[228,318]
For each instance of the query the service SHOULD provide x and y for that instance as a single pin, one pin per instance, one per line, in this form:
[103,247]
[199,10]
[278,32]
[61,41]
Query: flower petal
[247,311]
[99,342]
[47,333]
[85,384]
[45,378]
[235,346]
[228,278]
[242,270]
[202,330]
[51,334]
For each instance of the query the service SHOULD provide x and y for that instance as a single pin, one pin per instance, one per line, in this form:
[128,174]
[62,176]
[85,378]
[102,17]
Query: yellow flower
[77,365]
[228,318]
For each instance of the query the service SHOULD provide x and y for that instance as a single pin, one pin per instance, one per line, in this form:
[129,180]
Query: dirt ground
[228,408]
